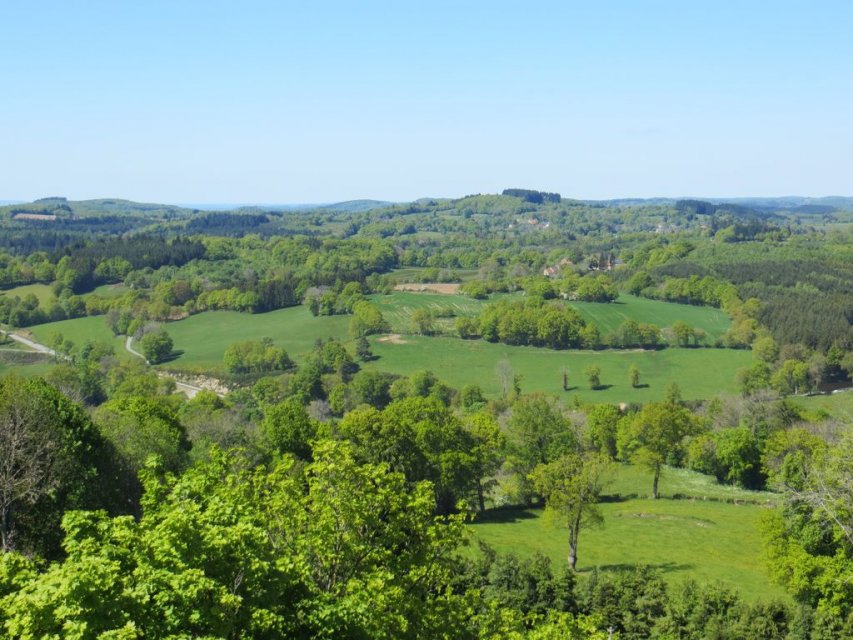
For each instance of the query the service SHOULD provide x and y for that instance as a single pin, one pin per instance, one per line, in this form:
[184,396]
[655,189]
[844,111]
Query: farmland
[704,537]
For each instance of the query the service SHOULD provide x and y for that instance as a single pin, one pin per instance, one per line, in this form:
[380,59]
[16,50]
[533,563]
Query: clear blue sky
[316,101]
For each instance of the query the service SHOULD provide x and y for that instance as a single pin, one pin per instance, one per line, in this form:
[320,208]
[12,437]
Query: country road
[189,389]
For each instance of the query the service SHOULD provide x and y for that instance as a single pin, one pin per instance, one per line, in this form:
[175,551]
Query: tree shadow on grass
[602,387]
[641,386]
[177,353]
[663,567]
[503,516]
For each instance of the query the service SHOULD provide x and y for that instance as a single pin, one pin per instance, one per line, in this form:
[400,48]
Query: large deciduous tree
[49,452]
[653,434]
[571,485]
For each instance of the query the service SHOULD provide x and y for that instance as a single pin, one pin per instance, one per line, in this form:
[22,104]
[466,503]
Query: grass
[79,330]
[26,370]
[41,291]
[109,290]
[838,406]
[700,373]
[608,317]
[704,540]
[203,338]
[398,307]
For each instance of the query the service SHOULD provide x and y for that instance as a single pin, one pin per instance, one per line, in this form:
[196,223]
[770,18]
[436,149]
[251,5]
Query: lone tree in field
[156,346]
[565,379]
[634,375]
[571,486]
[593,373]
[653,434]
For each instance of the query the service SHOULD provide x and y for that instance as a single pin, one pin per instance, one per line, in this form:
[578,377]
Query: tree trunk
[574,530]
[6,529]
[655,484]
[481,498]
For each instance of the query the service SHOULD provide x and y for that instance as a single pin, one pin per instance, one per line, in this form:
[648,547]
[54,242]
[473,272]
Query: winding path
[189,389]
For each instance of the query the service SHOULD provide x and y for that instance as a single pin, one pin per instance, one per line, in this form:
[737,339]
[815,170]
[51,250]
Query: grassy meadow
[398,308]
[41,291]
[700,373]
[79,330]
[704,539]
[201,340]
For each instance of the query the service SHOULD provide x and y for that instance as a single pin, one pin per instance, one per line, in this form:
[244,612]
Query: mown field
[202,339]
[78,330]
[398,309]
[700,538]
[700,373]
[41,291]
[838,406]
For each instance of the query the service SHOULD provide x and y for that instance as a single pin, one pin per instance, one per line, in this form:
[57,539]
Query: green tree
[593,374]
[367,320]
[653,434]
[683,332]
[288,429]
[50,454]
[634,376]
[156,346]
[141,427]
[571,486]
[336,549]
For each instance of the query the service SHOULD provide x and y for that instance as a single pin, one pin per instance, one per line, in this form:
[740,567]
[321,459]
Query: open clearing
[41,291]
[705,540]
[79,330]
[700,373]
[398,308]
[201,340]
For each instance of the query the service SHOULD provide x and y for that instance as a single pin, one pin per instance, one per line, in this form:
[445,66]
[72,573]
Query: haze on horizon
[271,102]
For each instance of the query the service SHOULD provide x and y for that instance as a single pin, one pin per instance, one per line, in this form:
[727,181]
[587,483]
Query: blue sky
[180,101]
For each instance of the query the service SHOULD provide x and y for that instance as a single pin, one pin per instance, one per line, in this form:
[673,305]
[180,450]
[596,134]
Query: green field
[700,373]
[26,370]
[690,538]
[79,330]
[398,307]
[203,338]
[109,290]
[838,406]
[41,291]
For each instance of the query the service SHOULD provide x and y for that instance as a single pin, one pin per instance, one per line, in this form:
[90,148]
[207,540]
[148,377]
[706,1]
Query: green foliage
[140,427]
[52,456]
[212,556]
[367,320]
[156,346]
[288,429]
[256,357]
[654,434]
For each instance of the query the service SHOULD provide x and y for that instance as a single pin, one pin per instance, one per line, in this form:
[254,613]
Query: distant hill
[64,208]
[355,206]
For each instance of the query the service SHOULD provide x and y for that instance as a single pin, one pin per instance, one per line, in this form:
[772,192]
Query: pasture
[707,540]
[79,330]
[201,340]
[700,373]
[398,308]
[42,292]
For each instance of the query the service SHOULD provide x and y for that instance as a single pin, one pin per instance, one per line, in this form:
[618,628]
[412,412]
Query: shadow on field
[177,353]
[503,516]
[641,386]
[663,567]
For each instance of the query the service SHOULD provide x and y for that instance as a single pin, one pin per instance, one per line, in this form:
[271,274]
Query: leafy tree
[634,376]
[683,332]
[336,550]
[602,421]
[140,427]
[362,349]
[571,486]
[288,429]
[367,320]
[593,374]
[809,542]
[253,356]
[50,454]
[156,346]
[792,377]
[653,434]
